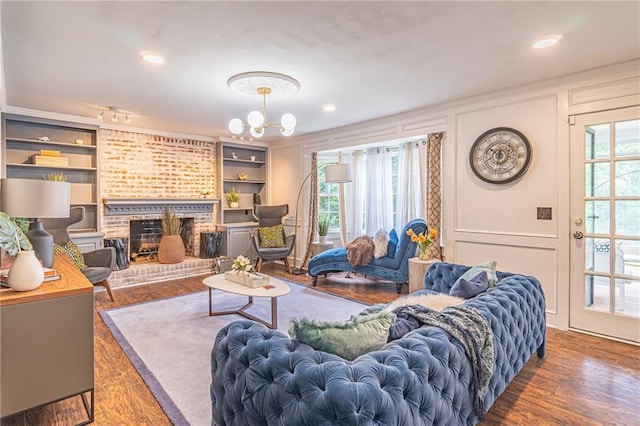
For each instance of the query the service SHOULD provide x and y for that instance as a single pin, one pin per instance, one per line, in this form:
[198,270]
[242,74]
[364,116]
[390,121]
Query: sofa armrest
[104,258]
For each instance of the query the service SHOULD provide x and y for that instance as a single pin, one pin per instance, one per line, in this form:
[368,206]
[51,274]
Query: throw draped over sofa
[261,376]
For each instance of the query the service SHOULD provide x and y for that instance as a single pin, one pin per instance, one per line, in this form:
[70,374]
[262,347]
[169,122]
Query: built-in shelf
[40,166]
[245,181]
[63,145]
[238,160]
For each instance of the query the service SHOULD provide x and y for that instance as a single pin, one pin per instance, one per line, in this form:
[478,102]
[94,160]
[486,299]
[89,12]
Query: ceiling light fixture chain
[263,83]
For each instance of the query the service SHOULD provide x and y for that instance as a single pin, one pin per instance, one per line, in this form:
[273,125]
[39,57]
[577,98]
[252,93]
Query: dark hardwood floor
[584,380]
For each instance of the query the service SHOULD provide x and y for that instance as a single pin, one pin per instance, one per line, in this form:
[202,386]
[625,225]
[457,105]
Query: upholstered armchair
[270,242]
[100,263]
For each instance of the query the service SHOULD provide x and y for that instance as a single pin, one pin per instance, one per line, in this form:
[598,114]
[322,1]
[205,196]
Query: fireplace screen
[145,236]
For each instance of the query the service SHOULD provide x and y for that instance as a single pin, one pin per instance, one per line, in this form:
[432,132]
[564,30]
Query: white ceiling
[370,59]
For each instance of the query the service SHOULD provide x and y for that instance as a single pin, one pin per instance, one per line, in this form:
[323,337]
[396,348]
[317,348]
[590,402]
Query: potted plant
[323,228]
[25,273]
[171,248]
[233,197]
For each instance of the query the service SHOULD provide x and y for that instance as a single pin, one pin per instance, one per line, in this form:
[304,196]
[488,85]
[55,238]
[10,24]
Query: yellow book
[49,153]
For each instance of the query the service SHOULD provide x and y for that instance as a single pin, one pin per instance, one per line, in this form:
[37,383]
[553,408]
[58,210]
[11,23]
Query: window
[328,204]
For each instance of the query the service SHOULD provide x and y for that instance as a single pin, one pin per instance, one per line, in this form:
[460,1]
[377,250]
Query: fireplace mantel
[137,206]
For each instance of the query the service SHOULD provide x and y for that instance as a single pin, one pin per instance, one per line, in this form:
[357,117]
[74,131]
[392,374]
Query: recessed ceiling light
[152,57]
[547,41]
[329,108]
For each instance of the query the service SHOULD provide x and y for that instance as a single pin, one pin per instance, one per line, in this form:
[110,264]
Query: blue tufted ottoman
[261,377]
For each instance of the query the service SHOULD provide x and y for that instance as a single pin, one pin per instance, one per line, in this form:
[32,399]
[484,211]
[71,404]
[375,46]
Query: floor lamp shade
[337,173]
[34,199]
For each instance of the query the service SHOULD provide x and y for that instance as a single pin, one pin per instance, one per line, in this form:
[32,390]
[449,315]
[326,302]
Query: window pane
[596,255]
[627,138]
[597,180]
[628,257]
[628,217]
[597,217]
[626,303]
[597,141]
[628,178]
[596,292]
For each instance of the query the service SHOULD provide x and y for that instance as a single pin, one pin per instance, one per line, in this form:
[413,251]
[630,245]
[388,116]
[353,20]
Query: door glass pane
[597,179]
[597,217]
[596,255]
[628,178]
[628,217]
[628,255]
[597,141]
[627,138]
[627,296]
[596,292]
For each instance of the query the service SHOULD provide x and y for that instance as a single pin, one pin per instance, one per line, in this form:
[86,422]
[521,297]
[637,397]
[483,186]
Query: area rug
[169,341]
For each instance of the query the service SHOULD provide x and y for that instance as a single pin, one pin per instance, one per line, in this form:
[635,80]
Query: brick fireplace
[139,174]
[142,215]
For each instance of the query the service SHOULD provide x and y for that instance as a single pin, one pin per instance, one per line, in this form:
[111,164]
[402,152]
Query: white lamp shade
[255,119]
[337,173]
[236,126]
[32,198]
[288,121]
[287,132]
[254,132]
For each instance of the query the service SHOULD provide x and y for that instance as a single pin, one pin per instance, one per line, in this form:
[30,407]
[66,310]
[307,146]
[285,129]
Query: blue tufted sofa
[393,268]
[261,377]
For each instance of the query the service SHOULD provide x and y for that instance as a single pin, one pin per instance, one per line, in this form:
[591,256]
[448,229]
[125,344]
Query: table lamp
[34,199]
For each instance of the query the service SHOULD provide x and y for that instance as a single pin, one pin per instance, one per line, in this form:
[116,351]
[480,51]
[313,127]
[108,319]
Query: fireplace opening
[145,236]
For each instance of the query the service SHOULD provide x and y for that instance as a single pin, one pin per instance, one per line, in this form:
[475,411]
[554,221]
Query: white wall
[482,221]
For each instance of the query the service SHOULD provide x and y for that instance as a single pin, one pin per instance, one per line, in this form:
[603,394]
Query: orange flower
[433,233]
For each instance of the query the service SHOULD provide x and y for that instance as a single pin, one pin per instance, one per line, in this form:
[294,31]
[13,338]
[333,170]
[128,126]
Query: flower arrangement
[242,264]
[423,241]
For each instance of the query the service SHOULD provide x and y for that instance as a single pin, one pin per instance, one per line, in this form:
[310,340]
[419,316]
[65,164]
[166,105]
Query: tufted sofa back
[441,276]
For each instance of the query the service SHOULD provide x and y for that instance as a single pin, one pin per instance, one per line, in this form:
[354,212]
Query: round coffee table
[274,289]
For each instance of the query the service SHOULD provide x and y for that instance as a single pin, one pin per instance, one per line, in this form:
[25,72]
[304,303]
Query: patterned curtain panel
[434,189]
[313,209]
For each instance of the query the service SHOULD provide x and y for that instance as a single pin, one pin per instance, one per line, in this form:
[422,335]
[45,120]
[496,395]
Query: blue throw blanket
[471,329]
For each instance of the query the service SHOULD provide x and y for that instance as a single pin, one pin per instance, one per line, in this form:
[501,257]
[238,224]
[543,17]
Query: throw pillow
[72,251]
[469,288]
[348,339]
[271,236]
[393,243]
[489,267]
[380,243]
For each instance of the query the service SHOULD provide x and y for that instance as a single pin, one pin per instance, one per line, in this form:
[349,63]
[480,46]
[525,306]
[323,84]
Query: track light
[114,117]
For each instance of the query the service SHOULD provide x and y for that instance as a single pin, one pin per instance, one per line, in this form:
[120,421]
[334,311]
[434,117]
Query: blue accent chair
[262,377]
[392,268]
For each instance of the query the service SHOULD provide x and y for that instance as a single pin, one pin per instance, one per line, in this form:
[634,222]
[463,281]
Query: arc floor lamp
[333,173]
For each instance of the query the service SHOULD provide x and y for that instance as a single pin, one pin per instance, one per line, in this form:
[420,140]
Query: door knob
[578,235]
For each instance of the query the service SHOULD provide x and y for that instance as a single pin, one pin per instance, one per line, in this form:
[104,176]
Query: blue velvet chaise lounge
[392,267]
[262,377]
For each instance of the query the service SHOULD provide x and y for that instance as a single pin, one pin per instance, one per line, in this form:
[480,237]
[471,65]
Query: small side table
[417,270]
[317,247]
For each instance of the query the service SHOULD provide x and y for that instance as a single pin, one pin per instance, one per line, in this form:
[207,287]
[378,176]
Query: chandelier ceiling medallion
[263,83]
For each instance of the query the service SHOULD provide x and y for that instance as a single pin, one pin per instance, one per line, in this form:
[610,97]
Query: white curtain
[379,197]
[410,199]
[355,194]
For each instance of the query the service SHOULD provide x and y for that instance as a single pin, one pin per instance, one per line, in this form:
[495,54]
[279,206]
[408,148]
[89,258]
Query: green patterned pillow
[348,339]
[73,251]
[271,236]
[489,267]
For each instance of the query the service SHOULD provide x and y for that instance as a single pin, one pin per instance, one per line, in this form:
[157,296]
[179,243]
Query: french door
[605,223]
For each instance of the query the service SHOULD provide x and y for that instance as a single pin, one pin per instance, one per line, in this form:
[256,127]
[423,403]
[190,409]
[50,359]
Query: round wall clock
[500,155]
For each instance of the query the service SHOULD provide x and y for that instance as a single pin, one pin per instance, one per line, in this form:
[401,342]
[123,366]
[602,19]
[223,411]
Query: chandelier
[263,83]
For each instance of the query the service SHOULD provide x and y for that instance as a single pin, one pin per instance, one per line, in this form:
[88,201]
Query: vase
[423,256]
[26,273]
[233,205]
[322,239]
[171,249]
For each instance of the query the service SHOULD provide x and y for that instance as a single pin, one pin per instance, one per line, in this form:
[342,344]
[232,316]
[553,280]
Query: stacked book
[48,157]
[50,274]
